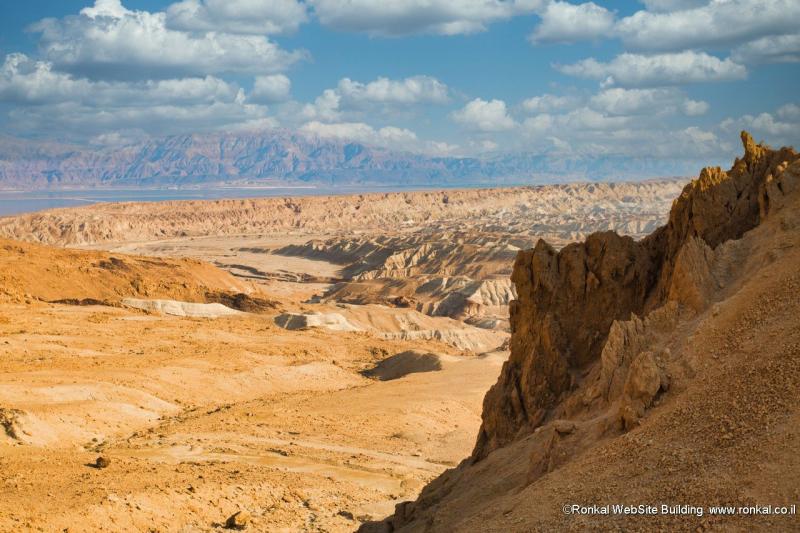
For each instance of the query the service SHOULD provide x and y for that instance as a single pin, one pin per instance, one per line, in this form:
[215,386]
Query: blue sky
[671,78]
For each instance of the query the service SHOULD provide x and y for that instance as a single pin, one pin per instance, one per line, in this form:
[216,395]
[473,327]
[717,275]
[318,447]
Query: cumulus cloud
[389,136]
[105,8]
[563,22]
[588,131]
[672,5]
[694,108]
[108,40]
[780,128]
[634,70]
[324,107]
[257,17]
[382,94]
[621,121]
[789,112]
[57,101]
[26,81]
[269,89]
[619,101]
[774,49]
[720,22]
[404,17]
[79,119]
[581,119]
[594,131]
[482,115]
[413,90]
[549,102]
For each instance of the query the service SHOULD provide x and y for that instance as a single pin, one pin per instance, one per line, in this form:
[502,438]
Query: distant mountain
[279,157]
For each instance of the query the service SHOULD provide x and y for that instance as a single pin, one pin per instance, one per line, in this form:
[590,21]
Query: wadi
[459,360]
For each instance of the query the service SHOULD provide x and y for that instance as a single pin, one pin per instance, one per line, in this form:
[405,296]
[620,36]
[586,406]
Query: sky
[662,78]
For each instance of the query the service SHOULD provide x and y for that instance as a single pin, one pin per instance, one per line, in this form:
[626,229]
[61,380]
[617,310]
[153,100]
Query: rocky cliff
[608,330]
[568,300]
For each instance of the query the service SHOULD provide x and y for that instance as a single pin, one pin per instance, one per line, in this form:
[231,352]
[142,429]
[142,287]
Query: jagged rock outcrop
[568,300]
[601,331]
[646,378]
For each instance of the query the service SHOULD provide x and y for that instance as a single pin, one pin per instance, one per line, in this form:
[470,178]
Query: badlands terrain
[310,361]
[328,363]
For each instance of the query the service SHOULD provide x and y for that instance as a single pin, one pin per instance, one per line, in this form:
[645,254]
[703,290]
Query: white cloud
[268,89]
[634,70]
[789,112]
[257,17]
[105,8]
[251,125]
[588,131]
[780,128]
[397,136]
[618,101]
[766,124]
[563,22]
[694,108]
[482,115]
[581,119]
[549,102]
[413,90]
[774,49]
[77,119]
[325,107]
[108,40]
[383,94]
[441,148]
[389,136]
[25,81]
[619,121]
[403,17]
[55,101]
[719,22]
[488,146]
[672,5]
[118,138]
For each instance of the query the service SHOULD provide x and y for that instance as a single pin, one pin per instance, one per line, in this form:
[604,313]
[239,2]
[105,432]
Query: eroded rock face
[645,379]
[599,332]
[567,301]
[564,300]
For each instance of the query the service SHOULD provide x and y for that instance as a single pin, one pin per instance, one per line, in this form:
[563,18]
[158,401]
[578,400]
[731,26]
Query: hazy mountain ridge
[282,157]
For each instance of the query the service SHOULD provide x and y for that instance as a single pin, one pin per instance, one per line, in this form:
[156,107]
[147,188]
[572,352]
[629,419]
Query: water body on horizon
[18,202]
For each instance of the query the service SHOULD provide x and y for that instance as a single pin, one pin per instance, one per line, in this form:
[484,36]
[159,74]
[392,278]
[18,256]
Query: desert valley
[399,266]
[458,360]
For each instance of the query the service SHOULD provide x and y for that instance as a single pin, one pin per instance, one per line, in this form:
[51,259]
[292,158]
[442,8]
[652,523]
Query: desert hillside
[660,371]
[205,397]
[34,272]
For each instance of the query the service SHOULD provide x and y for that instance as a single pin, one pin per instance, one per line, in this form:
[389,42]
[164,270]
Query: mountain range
[278,157]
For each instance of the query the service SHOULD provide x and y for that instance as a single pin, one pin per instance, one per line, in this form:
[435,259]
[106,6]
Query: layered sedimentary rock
[568,300]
